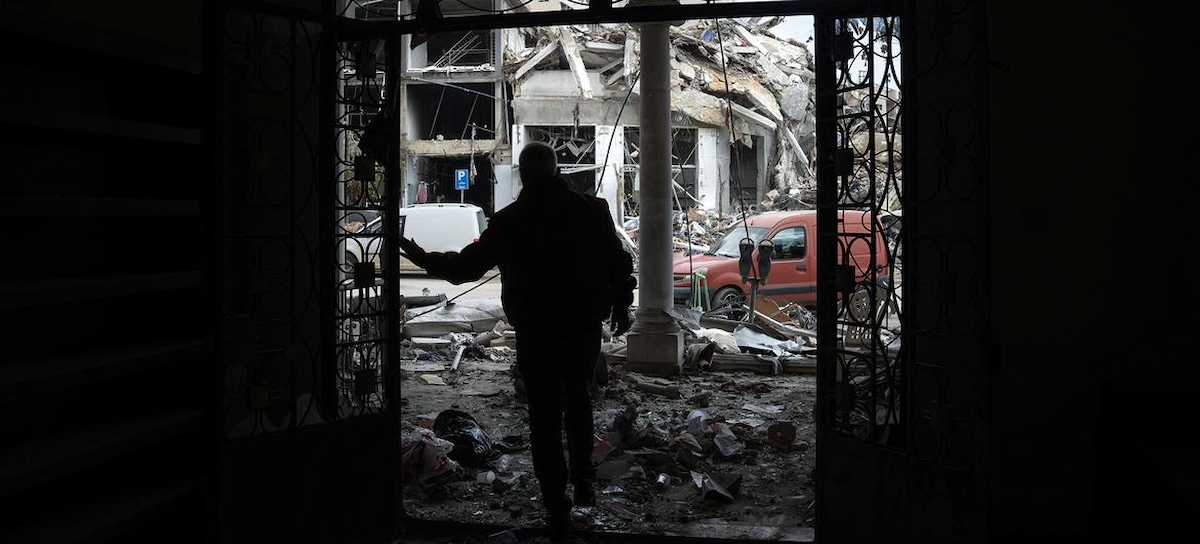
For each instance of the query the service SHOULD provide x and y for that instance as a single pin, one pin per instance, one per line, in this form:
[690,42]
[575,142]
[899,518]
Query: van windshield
[729,244]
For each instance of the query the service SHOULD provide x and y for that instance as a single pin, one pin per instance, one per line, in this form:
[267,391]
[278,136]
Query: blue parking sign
[462,179]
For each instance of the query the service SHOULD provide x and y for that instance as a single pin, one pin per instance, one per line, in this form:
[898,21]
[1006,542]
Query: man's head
[538,163]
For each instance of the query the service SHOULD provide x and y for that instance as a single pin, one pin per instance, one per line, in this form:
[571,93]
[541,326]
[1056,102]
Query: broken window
[683,164]
[449,111]
[449,50]
[575,148]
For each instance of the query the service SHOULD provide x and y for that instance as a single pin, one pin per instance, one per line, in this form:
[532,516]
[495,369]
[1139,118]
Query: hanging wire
[729,125]
[632,81]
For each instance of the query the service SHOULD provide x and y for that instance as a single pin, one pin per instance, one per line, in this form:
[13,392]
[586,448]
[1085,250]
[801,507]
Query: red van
[793,276]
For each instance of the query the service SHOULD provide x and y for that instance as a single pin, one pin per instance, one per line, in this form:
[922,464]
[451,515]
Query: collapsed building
[472,100]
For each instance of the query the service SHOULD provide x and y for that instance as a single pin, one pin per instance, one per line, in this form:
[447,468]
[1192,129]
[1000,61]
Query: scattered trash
[614,469]
[424,420]
[766,410]
[424,456]
[695,422]
[482,390]
[504,483]
[727,443]
[486,477]
[655,386]
[511,536]
[430,343]
[699,354]
[600,449]
[750,338]
[723,488]
[472,446]
[723,362]
[781,435]
[501,463]
[685,440]
[701,399]
[663,481]
[724,340]
[751,422]
[614,488]
[635,472]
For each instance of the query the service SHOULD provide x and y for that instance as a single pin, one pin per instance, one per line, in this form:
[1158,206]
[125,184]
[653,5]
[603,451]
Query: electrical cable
[737,160]
[729,125]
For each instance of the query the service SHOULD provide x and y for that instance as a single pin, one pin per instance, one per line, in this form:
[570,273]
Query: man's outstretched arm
[469,264]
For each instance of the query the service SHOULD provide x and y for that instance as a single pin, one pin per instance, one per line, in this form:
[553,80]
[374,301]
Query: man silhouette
[564,271]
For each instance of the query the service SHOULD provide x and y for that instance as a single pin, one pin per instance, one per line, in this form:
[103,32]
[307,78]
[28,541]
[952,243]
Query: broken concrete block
[432,379]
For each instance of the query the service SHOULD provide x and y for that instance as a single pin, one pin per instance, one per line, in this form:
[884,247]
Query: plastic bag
[423,456]
[472,446]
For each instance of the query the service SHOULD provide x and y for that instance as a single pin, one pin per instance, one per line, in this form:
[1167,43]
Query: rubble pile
[721,442]
[767,82]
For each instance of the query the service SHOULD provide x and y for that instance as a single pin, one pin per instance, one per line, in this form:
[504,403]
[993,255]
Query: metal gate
[860,191]
[364,225]
[901,391]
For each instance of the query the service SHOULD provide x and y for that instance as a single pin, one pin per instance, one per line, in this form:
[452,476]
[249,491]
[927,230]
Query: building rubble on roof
[575,87]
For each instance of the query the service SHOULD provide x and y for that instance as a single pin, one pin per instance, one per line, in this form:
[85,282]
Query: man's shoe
[559,520]
[585,494]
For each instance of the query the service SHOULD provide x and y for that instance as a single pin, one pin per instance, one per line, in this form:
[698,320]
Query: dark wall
[107,387]
[1090,236]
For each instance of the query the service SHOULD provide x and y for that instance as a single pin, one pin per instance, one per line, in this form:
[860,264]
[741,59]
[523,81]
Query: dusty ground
[776,493]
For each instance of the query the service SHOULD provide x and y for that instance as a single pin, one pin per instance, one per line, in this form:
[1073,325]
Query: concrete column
[655,343]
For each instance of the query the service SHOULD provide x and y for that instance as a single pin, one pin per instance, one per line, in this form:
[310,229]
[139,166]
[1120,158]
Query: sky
[799,28]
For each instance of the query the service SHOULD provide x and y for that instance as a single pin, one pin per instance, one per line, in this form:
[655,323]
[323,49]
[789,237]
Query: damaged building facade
[576,88]
[451,99]
[472,100]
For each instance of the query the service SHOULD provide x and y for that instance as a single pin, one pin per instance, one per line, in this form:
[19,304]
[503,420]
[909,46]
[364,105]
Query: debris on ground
[424,457]
[781,435]
[722,419]
[433,379]
[472,446]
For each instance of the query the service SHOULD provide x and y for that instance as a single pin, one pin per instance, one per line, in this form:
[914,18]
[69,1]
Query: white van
[435,227]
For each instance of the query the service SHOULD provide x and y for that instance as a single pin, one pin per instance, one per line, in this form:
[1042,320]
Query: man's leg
[580,432]
[543,390]
[545,435]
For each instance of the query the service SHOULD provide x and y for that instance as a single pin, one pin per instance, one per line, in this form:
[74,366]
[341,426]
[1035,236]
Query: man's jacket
[561,262]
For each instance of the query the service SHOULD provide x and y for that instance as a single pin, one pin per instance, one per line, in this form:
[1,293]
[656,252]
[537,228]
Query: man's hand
[620,321]
[412,251]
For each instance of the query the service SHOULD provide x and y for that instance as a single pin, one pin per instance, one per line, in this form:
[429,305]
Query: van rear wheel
[730,301]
